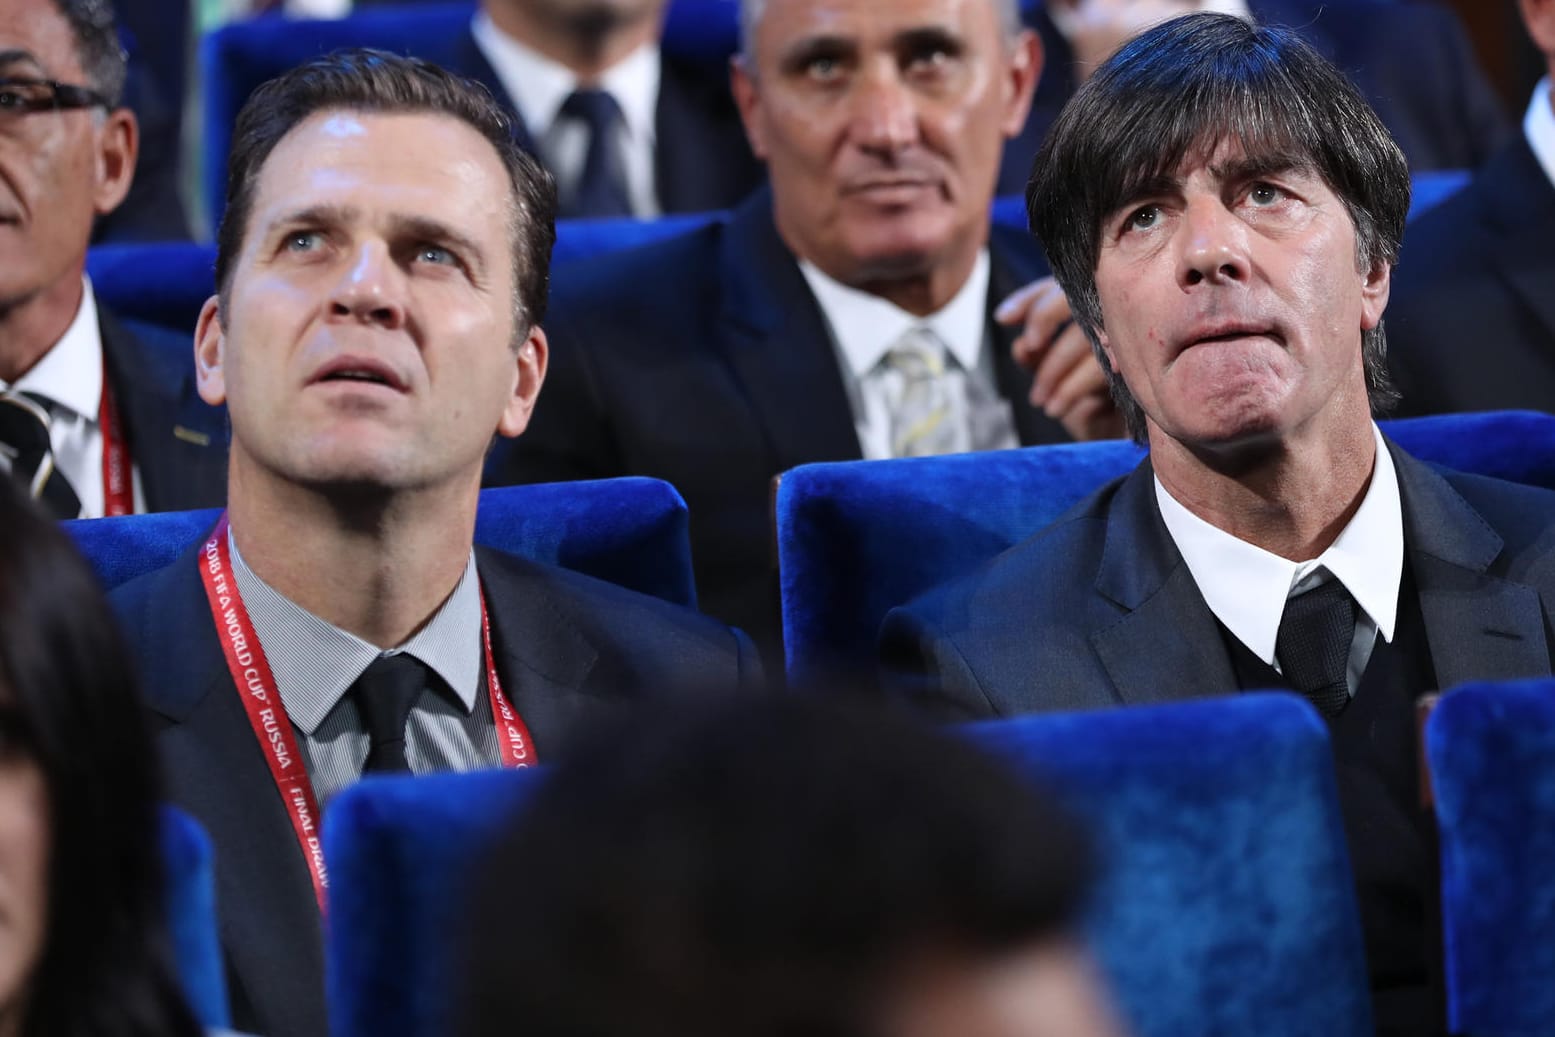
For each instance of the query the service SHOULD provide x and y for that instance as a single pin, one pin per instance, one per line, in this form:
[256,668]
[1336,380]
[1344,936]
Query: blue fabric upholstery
[1432,187]
[1227,906]
[398,851]
[190,880]
[857,538]
[1491,750]
[630,532]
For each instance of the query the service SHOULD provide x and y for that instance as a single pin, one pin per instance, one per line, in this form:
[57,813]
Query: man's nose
[885,112]
[1214,244]
[371,288]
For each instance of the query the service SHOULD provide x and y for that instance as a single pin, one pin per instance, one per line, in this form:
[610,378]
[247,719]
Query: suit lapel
[1519,201]
[1479,626]
[1015,262]
[1168,646]
[778,343]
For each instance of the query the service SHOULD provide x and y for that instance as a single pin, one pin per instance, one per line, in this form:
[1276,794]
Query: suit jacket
[706,361]
[702,160]
[1471,321]
[570,650]
[178,441]
[1412,61]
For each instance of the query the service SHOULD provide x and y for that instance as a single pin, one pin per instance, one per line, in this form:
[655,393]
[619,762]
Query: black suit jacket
[1412,61]
[178,441]
[571,650]
[702,160]
[705,361]
[1471,320]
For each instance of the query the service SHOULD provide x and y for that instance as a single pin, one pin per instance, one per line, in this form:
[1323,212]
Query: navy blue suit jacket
[702,160]
[705,361]
[1471,319]
[178,441]
[1412,61]
[571,651]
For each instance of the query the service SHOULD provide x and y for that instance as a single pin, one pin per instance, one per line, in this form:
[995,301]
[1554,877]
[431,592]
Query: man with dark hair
[1229,255]
[790,867]
[381,275]
[95,417]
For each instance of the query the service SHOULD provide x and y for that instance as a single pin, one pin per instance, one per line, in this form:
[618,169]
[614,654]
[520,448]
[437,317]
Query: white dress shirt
[864,327]
[70,376]
[1246,587]
[539,86]
[1539,126]
[1068,20]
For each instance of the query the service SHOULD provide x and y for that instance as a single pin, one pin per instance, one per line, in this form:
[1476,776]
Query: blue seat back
[857,538]
[1491,749]
[631,532]
[190,887]
[1431,188]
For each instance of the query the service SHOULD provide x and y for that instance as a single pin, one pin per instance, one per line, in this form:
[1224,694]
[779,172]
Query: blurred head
[67,150]
[784,867]
[882,126]
[83,946]
[382,269]
[1270,122]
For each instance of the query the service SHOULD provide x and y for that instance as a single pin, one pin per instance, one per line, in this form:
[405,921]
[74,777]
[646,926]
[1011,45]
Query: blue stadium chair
[1491,750]
[190,887]
[857,538]
[630,532]
[1226,906]
[1433,187]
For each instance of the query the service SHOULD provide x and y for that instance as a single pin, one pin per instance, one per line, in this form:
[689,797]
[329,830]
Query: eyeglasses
[20,95]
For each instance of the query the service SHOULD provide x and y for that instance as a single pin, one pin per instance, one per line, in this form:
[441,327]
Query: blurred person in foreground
[791,867]
[851,310]
[84,947]
[1230,257]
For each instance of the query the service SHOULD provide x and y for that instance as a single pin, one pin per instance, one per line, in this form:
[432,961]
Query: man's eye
[1143,218]
[11,100]
[1264,195]
[930,60]
[435,254]
[823,68]
[304,241]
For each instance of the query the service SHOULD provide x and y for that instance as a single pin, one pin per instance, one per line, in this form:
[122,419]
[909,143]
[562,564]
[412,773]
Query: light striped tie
[924,417]
[26,452]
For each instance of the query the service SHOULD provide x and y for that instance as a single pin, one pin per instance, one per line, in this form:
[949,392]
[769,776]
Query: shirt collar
[1246,586]
[316,662]
[1539,126]
[539,86]
[70,374]
[1069,21]
[867,326]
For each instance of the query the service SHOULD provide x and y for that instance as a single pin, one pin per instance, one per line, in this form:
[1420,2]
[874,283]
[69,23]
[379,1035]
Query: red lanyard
[262,701]
[118,484]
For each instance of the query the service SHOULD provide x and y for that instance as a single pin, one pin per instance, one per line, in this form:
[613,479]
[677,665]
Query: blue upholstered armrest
[190,884]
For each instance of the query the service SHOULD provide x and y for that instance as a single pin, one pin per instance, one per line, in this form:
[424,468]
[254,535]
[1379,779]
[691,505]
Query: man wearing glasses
[96,418]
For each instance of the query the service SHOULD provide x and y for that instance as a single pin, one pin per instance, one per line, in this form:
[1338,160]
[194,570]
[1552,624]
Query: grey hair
[752,10]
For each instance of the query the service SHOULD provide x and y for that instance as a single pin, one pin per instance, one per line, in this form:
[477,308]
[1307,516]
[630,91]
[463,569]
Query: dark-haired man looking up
[381,276]
[1230,257]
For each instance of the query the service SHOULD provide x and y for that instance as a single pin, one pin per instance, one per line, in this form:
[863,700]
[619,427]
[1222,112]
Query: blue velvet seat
[190,887]
[1491,749]
[630,532]
[1226,906]
[857,538]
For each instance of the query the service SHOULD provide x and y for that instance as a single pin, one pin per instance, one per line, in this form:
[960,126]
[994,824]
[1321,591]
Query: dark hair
[368,80]
[761,869]
[97,44]
[1173,93]
[68,702]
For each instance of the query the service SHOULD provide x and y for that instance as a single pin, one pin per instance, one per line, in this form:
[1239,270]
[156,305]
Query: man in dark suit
[373,327]
[95,417]
[1231,262]
[1412,62]
[1472,323]
[721,358]
[627,129]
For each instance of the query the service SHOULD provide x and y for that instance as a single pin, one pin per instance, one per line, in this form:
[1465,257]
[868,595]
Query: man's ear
[118,144]
[747,97]
[1376,284]
[1021,81]
[210,353]
[531,359]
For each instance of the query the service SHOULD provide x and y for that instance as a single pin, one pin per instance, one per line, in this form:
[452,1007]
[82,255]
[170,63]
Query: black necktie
[385,693]
[601,187]
[28,452]
[1313,645]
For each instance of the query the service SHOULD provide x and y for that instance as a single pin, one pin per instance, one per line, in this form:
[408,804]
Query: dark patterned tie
[384,694]
[1313,645]
[26,450]
[601,187]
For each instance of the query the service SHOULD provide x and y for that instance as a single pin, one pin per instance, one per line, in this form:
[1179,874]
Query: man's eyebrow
[1153,185]
[314,215]
[921,36]
[806,49]
[16,56]
[1254,167]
